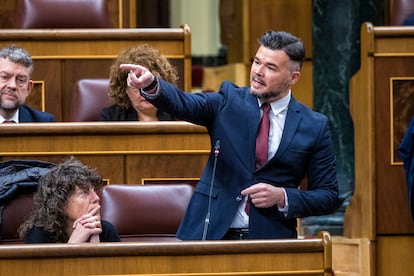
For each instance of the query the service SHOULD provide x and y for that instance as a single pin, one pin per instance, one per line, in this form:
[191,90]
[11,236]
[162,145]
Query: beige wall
[202,17]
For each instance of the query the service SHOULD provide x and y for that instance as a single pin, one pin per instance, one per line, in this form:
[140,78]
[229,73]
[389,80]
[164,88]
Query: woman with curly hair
[129,105]
[66,208]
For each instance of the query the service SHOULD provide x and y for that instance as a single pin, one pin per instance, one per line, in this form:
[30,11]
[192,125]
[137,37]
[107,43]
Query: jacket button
[239,198]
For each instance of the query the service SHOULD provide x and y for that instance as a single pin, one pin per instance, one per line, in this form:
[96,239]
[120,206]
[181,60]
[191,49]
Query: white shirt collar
[15,117]
[279,105]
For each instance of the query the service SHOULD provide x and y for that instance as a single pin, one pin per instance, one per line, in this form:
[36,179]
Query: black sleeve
[37,235]
[109,233]
[104,116]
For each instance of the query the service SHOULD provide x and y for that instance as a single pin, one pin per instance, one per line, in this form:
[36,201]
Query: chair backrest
[145,212]
[62,14]
[14,213]
[89,97]
[213,76]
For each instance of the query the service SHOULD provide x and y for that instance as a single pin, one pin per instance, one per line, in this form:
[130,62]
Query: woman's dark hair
[52,196]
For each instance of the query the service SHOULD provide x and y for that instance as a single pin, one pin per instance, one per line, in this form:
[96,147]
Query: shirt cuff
[284,210]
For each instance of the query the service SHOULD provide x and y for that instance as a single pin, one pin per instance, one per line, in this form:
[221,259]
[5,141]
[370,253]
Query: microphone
[210,195]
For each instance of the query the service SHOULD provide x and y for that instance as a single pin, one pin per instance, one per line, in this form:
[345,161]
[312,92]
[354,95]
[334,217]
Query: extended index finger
[133,67]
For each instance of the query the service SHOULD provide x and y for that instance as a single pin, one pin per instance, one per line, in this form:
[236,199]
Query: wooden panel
[164,167]
[352,257]
[392,210]
[359,219]
[378,210]
[124,152]
[379,204]
[265,257]
[37,97]
[241,27]
[62,56]
[294,16]
[395,255]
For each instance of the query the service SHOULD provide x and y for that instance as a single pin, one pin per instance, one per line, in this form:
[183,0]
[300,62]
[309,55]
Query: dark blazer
[114,113]
[406,151]
[28,114]
[232,116]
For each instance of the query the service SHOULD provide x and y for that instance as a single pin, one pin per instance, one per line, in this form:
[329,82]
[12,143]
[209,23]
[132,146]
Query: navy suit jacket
[232,116]
[28,114]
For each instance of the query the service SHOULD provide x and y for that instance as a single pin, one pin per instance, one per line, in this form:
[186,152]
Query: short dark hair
[287,42]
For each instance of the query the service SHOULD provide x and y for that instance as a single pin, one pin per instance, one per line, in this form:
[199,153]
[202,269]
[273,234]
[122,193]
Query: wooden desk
[255,257]
[123,152]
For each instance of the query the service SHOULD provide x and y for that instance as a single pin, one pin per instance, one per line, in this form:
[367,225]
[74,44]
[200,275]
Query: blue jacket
[232,115]
[406,151]
[28,114]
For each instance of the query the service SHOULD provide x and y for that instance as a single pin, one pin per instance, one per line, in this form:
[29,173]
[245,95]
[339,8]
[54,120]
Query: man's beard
[266,95]
[283,87]
[8,105]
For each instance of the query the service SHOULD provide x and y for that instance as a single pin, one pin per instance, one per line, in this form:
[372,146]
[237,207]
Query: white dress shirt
[277,116]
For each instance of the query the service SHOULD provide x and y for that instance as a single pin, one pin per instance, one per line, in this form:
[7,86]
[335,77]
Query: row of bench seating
[139,212]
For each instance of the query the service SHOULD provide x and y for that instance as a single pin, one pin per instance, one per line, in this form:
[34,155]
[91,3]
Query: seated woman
[129,105]
[66,208]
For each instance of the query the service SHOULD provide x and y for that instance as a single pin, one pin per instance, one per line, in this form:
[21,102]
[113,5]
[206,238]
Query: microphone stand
[210,195]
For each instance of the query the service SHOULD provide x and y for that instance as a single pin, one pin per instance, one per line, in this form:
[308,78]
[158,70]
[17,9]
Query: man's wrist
[152,93]
[152,85]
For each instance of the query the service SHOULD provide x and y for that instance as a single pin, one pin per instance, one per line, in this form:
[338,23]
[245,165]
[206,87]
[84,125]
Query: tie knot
[265,107]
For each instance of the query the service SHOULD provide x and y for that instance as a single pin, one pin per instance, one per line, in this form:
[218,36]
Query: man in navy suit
[299,148]
[16,67]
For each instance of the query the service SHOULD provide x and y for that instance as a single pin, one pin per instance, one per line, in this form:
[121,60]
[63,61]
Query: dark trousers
[237,234]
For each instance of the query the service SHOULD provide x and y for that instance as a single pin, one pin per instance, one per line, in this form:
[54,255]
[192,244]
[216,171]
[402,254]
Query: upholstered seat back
[14,213]
[145,212]
[89,97]
[139,212]
[62,14]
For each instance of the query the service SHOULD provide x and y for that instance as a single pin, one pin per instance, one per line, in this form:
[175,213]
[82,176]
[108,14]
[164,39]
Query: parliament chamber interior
[150,170]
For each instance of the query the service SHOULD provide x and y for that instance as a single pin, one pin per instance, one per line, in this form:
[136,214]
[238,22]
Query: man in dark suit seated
[16,67]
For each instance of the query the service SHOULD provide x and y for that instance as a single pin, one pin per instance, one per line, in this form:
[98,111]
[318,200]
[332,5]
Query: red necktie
[261,143]
[263,137]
